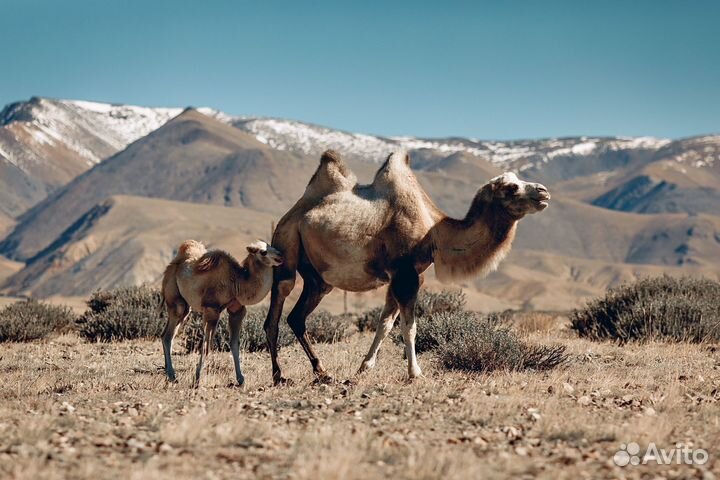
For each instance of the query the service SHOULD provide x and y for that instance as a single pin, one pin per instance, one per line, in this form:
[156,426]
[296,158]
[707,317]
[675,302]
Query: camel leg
[235,322]
[176,313]
[210,321]
[404,286]
[383,326]
[283,283]
[314,289]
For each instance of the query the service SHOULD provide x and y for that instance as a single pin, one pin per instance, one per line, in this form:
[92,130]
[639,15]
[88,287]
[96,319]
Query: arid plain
[79,410]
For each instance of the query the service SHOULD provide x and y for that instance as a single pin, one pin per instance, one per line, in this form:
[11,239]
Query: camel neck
[475,244]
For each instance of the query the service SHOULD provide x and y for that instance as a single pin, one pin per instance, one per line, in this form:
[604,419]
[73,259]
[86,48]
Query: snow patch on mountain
[34,131]
[517,155]
[313,140]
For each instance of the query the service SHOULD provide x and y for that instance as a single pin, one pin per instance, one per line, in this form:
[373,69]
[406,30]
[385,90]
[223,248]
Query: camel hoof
[170,376]
[364,367]
[283,382]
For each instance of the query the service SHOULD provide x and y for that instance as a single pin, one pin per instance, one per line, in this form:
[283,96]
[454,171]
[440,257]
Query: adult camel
[361,237]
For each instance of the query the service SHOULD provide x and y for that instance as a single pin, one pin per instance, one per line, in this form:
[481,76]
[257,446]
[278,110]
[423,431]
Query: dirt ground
[69,409]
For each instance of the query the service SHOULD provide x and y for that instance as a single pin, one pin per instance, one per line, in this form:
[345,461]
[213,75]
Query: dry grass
[536,322]
[74,409]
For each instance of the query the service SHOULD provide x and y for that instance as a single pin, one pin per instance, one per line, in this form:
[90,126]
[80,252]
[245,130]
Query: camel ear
[253,248]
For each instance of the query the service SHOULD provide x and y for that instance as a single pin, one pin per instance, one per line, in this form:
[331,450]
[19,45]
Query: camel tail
[188,251]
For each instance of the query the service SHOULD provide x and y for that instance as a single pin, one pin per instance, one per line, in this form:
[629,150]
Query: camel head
[519,198]
[267,255]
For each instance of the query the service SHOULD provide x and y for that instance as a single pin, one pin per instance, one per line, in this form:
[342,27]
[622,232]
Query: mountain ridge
[217,161]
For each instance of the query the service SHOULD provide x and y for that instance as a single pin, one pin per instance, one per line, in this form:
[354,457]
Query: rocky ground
[69,409]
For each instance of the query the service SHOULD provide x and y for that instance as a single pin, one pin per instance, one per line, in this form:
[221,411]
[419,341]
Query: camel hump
[399,158]
[332,175]
[189,250]
[334,164]
[395,172]
[331,156]
[210,261]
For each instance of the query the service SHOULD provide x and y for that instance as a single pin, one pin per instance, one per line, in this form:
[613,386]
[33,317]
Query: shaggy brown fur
[210,282]
[360,237]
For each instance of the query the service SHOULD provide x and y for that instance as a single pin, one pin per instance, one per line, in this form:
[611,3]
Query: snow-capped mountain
[45,143]
[642,174]
[669,187]
[91,130]
[312,140]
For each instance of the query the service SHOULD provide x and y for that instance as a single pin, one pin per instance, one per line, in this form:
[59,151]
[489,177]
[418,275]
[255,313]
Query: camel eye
[512,188]
[263,253]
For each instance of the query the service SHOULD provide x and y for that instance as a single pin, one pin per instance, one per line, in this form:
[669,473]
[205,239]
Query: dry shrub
[32,320]
[365,321]
[427,303]
[252,333]
[466,341]
[484,346]
[662,308]
[324,327]
[122,314]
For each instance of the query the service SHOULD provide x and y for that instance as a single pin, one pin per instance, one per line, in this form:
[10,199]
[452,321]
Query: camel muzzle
[540,196]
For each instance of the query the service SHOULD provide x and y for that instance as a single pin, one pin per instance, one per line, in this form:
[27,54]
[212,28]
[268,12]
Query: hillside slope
[45,143]
[128,240]
[191,158]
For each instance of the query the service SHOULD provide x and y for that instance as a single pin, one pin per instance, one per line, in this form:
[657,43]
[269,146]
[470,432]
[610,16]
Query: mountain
[641,174]
[193,158]
[126,240]
[622,207]
[683,176]
[575,229]
[45,143]
[521,155]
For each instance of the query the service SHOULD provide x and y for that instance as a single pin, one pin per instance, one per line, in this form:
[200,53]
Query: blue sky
[512,69]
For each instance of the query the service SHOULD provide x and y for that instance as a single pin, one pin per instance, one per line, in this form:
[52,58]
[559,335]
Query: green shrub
[252,333]
[123,314]
[32,320]
[663,308]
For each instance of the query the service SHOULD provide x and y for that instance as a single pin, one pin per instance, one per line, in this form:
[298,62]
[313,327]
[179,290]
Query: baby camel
[209,282]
